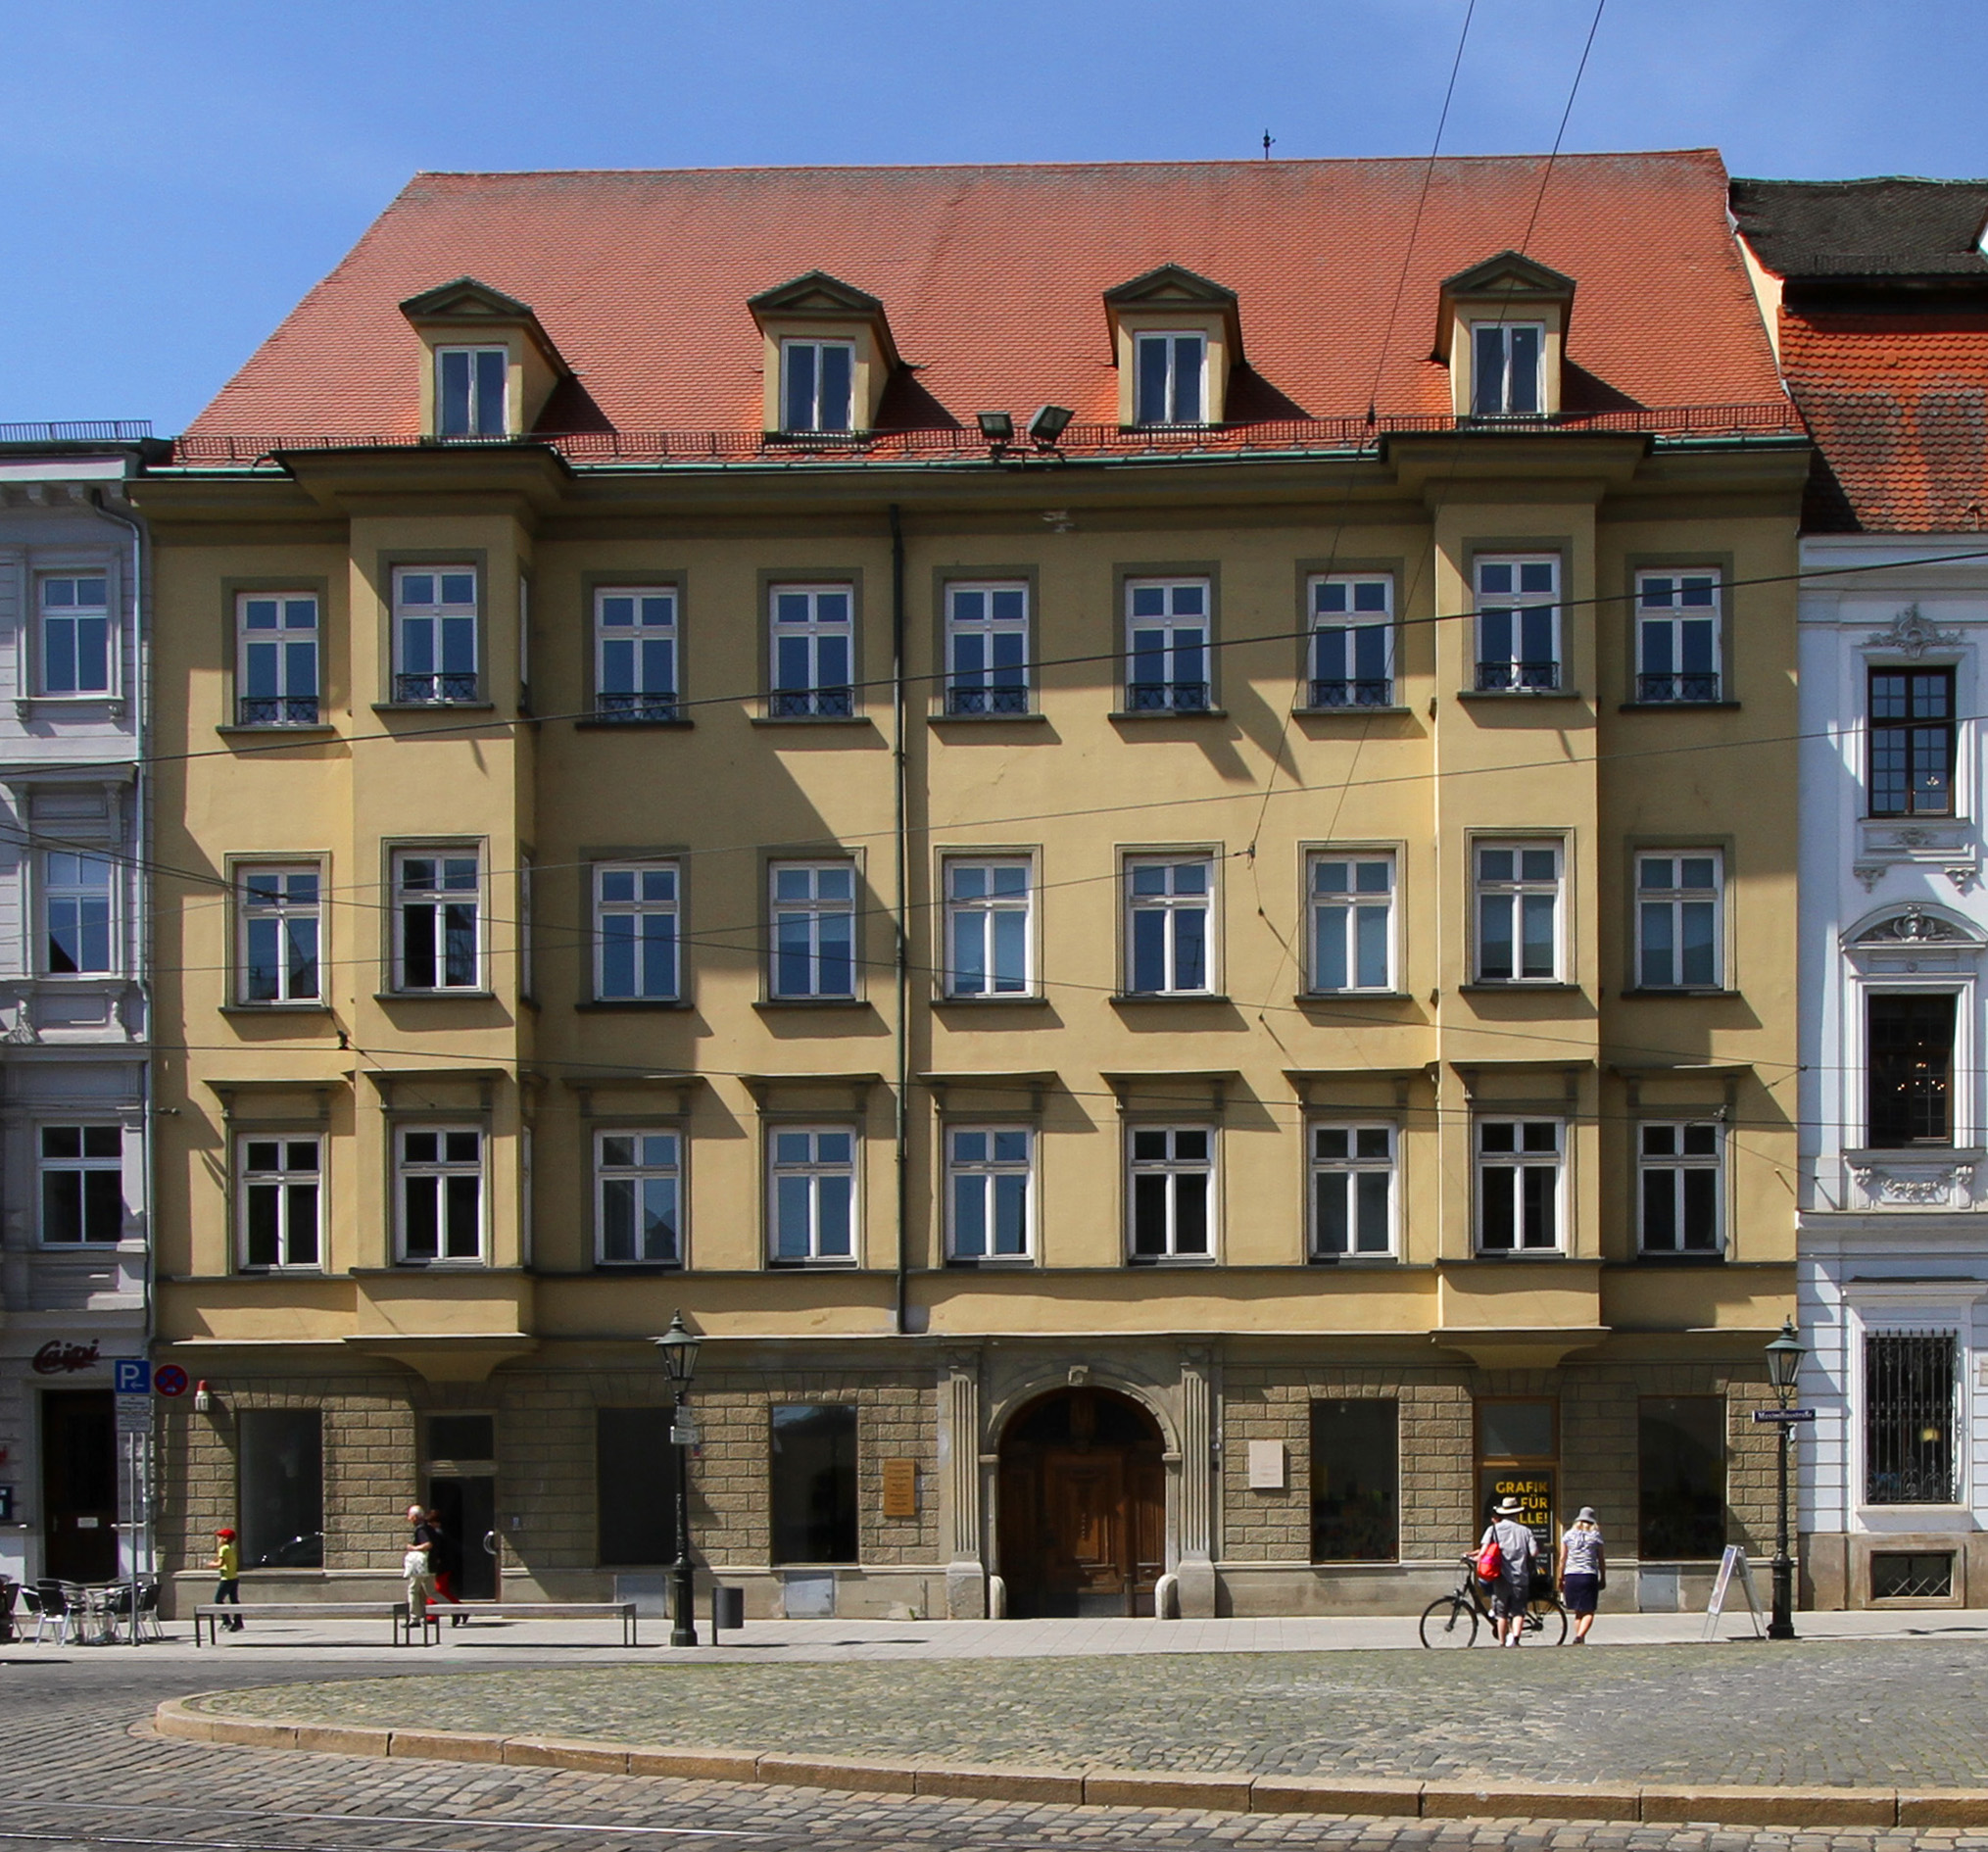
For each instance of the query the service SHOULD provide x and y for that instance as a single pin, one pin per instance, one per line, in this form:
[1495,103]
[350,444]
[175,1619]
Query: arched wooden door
[1082,1506]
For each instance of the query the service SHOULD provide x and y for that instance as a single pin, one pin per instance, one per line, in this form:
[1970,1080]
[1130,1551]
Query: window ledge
[596,724]
[431,706]
[1035,717]
[438,1266]
[1168,713]
[1519,987]
[1353,1260]
[849,1265]
[1647,993]
[276,1009]
[275,1273]
[992,1263]
[620,1267]
[813,720]
[1307,997]
[1665,706]
[320,730]
[1870,1157]
[1004,1001]
[1521,1253]
[1349,712]
[598,1004]
[1666,1257]
[1170,997]
[1172,1260]
[812,1002]
[434,996]
[97,697]
[1519,694]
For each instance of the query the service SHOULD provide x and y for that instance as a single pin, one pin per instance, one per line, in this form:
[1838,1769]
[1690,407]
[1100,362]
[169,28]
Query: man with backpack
[1505,1563]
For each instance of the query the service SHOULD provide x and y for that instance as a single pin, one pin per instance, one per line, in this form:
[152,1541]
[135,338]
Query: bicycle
[1452,1620]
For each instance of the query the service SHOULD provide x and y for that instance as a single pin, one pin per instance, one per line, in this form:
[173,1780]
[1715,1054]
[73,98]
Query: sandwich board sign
[1733,1564]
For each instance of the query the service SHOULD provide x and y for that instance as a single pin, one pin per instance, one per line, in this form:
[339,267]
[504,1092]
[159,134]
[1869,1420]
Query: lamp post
[1784,1365]
[680,1362]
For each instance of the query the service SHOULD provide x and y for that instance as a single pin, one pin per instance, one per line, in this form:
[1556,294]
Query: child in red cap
[227,1565]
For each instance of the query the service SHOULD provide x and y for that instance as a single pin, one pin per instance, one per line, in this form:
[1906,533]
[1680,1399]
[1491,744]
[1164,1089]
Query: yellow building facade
[1178,1015]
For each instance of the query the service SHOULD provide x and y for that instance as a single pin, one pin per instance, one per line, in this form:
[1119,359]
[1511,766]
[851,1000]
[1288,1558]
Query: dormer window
[817,385]
[471,385]
[1172,372]
[1505,370]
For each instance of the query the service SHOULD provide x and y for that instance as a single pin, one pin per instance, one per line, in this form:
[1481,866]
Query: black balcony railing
[434,691]
[1342,691]
[1677,688]
[816,704]
[276,711]
[1167,697]
[634,706]
[1519,678]
[986,700]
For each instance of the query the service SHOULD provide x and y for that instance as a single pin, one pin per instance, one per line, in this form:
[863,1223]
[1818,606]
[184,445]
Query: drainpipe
[902,923]
[141,708]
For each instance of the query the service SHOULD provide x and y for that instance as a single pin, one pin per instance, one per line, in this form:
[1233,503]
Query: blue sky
[178,176]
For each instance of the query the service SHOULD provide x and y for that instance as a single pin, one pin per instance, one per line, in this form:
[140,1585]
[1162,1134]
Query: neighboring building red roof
[992,280]
[1898,404]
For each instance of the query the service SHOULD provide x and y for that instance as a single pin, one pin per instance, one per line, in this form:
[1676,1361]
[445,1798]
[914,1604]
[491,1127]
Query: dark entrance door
[1083,1506]
[80,1485]
[469,1507]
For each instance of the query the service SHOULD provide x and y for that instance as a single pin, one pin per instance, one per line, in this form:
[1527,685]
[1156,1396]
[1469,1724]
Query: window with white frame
[439,1182]
[635,652]
[1170,1191]
[1912,741]
[1352,1170]
[1170,379]
[470,389]
[811,1190]
[991,1191]
[1520,1164]
[1505,370]
[1679,898]
[279,1188]
[813,652]
[986,649]
[281,928]
[1352,925]
[814,930]
[1677,639]
[75,634]
[78,913]
[637,1198]
[817,385]
[1909,1067]
[989,931]
[636,932]
[437,919]
[1914,1453]
[1169,906]
[1518,895]
[1518,623]
[1352,616]
[435,644]
[82,1185]
[1679,1187]
[276,659]
[1166,667]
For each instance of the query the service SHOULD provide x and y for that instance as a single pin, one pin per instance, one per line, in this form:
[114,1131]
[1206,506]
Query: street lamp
[680,1362]
[1784,1365]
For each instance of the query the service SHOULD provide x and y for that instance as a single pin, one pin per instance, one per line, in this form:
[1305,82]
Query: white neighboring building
[1871,288]
[74,1253]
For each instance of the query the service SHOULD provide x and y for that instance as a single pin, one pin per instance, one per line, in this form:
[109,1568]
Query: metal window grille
[1912,1575]
[1909,1381]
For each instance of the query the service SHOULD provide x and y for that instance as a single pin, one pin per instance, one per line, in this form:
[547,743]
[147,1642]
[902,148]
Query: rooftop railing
[78,431]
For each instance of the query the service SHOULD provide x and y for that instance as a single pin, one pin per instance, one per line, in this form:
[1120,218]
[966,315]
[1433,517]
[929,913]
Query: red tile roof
[992,280]
[1899,406]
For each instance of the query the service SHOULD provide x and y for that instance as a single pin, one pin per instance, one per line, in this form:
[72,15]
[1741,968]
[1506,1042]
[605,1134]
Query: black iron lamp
[1047,424]
[1785,1368]
[679,1347]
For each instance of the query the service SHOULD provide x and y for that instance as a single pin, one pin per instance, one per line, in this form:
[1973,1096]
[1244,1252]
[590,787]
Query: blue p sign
[130,1376]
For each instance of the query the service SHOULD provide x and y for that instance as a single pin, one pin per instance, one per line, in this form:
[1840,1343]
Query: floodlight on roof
[1047,424]
[998,427]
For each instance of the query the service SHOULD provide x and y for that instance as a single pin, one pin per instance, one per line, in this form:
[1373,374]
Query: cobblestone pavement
[78,1768]
[1891,1712]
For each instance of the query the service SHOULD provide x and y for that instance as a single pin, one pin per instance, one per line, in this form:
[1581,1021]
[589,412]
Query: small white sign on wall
[1266,1471]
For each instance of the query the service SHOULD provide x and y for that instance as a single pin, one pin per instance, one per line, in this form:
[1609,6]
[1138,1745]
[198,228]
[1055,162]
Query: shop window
[635,1470]
[1681,1450]
[1910,1381]
[1356,1482]
[281,1494]
[813,1490]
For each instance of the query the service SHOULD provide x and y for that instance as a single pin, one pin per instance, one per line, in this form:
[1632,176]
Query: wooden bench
[214,1613]
[624,1611]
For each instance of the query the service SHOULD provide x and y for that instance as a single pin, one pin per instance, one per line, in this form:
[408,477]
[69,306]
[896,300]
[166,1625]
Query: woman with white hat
[1513,1588]
[1583,1571]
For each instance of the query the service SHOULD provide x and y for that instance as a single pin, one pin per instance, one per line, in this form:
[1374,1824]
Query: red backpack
[1490,1560]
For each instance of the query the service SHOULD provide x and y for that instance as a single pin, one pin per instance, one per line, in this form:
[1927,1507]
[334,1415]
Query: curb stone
[1710,1804]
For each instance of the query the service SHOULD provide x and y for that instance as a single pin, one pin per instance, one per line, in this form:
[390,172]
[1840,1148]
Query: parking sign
[169,1380]
[130,1376]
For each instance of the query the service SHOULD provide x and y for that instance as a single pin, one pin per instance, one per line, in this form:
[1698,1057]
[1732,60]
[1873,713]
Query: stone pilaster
[1196,1500]
[959,1470]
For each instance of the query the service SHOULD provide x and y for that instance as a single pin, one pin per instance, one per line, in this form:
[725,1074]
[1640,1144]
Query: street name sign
[1784,1414]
